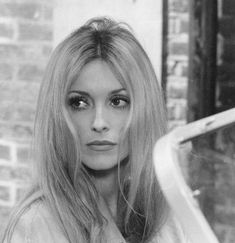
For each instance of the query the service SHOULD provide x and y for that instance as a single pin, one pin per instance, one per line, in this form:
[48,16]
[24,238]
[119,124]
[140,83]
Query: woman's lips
[101,145]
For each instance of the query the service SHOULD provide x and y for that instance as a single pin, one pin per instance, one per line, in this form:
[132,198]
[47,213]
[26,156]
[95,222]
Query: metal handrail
[178,194]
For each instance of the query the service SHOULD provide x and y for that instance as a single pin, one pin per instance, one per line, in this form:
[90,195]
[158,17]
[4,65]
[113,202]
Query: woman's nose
[99,123]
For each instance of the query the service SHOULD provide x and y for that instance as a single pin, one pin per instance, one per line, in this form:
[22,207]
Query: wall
[177,61]
[225,144]
[25,45]
[226,55]
[145,17]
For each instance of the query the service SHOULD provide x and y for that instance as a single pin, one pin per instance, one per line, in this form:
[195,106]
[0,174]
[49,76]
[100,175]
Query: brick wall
[177,62]
[225,143]
[226,55]
[25,45]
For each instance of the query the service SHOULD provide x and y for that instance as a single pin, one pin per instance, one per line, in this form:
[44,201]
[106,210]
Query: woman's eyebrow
[79,92]
[87,94]
[117,91]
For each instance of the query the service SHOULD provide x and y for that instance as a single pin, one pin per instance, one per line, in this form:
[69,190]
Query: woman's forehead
[96,76]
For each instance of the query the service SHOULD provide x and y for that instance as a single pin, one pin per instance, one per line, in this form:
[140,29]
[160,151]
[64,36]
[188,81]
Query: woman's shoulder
[36,225]
[171,232]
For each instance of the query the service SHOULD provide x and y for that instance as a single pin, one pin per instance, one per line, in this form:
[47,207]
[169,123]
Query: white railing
[178,194]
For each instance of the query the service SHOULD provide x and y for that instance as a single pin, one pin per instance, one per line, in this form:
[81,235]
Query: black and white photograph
[117,121]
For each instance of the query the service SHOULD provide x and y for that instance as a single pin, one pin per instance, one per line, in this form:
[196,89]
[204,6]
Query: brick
[18,93]
[4,211]
[4,193]
[34,31]
[229,52]
[24,10]
[4,216]
[178,6]
[20,192]
[11,111]
[30,72]
[6,71]
[178,25]
[178,84]
[174,25]
[226,94]
[176,91]
[6,30]
[184,71]
[25,52]
[23,112]
[225,71]
[178,48]
[176,110]
[178,68]
[35,52]
[6,173]
[6,111]
[21,175]
[227,26]
[175,123]
[184,26]
[22,131]
[228,7]
[9,52]
[48,12]
[5,152]
[47,50]
[23,154]
[17,132]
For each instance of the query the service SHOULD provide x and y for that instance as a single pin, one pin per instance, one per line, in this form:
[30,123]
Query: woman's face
[99,108]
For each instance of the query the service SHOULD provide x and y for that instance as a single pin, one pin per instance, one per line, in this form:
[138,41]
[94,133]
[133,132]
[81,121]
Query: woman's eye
[120,102]
[78,103]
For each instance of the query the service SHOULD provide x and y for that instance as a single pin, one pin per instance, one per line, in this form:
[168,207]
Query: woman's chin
[103,164]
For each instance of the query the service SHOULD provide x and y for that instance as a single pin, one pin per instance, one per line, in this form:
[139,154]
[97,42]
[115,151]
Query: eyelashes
[79,103]
[120,101]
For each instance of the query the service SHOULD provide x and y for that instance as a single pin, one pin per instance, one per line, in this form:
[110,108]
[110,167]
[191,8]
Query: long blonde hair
[64,183]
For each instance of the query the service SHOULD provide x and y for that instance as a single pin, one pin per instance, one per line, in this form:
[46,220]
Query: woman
[100,110]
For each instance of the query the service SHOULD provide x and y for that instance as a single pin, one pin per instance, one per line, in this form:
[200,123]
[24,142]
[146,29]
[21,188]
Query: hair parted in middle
[66,185]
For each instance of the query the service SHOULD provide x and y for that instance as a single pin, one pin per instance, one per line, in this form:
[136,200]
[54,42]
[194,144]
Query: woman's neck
[106,182]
